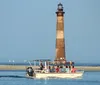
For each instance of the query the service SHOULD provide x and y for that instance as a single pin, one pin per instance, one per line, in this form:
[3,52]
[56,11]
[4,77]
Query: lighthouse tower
[60,41]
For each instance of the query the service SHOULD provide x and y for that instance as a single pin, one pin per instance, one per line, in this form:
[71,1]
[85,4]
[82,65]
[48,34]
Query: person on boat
[52,69]
[41,66]
[73,69]
[70,66]
[47,70]
[61,69]
[64,69]
[43,70]
[30,71]
[57,69]
[67,69]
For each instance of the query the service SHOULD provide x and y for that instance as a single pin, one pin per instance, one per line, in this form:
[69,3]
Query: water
[18,78]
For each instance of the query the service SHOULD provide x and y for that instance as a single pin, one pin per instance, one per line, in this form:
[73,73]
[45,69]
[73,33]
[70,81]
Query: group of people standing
[63,69]
[58,69]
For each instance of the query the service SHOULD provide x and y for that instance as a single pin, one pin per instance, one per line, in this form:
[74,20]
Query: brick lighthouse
[60,41]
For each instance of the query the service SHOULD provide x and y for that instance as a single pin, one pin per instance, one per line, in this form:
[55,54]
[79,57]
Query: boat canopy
[41,60]
[60,64]
[51,62]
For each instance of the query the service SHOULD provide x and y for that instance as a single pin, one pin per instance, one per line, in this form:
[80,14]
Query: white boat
[57,75]
[39,74]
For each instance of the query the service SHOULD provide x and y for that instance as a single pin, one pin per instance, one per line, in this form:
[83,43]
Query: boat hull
[58,75]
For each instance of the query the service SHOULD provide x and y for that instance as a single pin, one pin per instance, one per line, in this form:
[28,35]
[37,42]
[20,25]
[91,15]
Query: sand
[23,67]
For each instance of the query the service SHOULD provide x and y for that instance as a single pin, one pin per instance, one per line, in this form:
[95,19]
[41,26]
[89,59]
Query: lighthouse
[60,40]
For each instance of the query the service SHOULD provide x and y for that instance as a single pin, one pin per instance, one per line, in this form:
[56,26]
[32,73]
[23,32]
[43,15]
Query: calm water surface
[18,78]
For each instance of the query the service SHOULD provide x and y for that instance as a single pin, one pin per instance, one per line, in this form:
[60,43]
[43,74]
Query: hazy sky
[28,29]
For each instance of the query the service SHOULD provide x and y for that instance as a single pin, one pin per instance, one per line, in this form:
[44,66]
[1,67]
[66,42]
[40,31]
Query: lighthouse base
[60,61]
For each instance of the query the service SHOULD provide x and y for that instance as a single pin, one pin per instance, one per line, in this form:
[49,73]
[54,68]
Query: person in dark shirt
[53,69]
[41,66]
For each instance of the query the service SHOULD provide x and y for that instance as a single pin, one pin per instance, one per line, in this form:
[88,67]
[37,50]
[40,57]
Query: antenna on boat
[28,62]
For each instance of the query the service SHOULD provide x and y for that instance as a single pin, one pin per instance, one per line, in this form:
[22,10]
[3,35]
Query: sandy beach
[23,67]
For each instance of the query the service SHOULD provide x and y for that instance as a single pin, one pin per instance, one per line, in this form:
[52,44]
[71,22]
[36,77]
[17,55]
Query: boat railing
[37,71]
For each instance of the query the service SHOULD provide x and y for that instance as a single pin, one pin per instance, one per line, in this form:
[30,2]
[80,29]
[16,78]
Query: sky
[28,30]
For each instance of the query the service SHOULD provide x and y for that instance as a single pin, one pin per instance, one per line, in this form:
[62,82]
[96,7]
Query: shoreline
[23,67]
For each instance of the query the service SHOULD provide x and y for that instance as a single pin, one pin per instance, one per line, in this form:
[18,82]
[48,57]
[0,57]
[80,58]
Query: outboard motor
[30,71]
